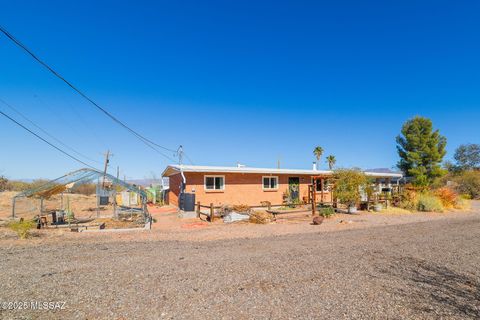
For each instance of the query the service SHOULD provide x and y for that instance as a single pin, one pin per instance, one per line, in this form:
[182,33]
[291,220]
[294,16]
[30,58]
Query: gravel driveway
[420,270]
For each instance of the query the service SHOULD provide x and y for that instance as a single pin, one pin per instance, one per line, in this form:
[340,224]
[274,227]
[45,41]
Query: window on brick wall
[214,183]
[270,183]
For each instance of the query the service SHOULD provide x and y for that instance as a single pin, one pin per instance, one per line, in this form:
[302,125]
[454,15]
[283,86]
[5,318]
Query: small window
[214,183]
[270,183]
[319,187]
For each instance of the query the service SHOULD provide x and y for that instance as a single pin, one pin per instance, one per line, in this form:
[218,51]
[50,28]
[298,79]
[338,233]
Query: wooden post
[198,209]
[313,197]
[269,206]
[212,213]
[321,190]
[13,207]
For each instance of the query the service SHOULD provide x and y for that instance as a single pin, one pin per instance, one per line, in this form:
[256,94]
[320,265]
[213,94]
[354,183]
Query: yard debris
[345,221]
[261,217]
[317,220]
[235,217]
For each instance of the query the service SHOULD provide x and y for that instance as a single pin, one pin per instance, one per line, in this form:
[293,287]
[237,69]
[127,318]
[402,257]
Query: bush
[429,203]
[22,227]
[468,182]
[463,204]
[85,189]
[447,196]
[408,200]
[326,212]
[348,184]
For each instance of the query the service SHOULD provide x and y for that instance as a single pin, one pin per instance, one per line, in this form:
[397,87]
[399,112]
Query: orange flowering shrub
[447,196]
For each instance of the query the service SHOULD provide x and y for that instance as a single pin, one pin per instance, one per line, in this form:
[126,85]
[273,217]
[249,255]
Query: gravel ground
[421,270]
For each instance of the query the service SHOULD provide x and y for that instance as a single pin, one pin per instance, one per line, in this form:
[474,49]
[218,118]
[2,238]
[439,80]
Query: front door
[294,188]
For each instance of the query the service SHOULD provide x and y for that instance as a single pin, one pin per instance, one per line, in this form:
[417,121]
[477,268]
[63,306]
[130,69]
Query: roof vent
[239,165]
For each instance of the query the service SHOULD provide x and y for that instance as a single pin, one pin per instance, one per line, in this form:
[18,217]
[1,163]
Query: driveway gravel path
[421,270]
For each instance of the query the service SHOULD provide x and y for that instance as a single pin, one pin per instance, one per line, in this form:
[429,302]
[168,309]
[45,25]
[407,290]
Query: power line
[44,140]
[45,132]
[145,140]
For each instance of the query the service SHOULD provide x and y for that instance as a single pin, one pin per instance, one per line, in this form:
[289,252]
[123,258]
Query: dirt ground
[365,266]
[82,206]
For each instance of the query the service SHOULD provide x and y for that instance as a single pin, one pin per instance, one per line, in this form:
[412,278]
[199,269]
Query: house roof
[174,169]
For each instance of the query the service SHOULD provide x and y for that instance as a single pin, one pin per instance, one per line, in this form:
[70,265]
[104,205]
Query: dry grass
[395,210]
[261,217]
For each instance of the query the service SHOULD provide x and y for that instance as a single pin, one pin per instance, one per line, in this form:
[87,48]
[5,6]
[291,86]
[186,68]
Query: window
[270,183]
[214,182]
[319,187]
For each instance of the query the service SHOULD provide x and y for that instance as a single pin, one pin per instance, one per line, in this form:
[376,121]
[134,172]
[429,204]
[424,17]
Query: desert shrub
[429,203]
[462,204]
[3,183]
[22,227]
[447,196]
[260,217]
[326,212]
[468,182]
[85,189]
[408,200]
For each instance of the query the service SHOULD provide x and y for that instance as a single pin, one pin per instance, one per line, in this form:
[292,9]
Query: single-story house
[250,186]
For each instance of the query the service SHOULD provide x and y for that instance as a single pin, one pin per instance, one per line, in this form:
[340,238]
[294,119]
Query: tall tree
[318,152]
[331,161]
[421,150]
[467,156]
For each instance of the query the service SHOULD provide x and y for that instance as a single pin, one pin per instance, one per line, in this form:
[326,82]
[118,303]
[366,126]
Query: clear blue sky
[246,81]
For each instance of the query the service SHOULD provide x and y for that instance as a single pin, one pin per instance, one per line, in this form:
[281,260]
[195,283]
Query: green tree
[421,150]
[467,156]
[331,161]
[318,152]
[348,185]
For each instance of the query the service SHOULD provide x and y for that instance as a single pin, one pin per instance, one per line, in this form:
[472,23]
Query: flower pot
[352,209]
[377,208]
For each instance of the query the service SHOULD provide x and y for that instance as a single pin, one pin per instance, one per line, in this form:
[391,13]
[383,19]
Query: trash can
[187,202]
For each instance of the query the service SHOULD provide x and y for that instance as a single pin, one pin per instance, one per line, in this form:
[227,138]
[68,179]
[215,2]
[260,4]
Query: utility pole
[107,160]
[180,155]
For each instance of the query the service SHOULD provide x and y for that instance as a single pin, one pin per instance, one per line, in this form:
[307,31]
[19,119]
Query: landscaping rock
[317,220]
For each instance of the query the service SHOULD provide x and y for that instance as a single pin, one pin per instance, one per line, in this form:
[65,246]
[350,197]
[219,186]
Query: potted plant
[377,206]
[348,186]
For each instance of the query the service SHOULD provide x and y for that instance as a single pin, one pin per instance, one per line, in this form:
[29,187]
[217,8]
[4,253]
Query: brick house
[248,185]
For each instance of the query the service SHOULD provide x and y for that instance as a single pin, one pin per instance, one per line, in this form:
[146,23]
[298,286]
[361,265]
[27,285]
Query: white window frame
[270,189]
[213,176]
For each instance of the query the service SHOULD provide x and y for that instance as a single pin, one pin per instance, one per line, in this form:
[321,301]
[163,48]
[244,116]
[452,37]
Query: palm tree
[331,161]
[318,151]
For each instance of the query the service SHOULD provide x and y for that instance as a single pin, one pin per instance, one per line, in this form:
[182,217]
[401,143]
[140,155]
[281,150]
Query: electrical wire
[45,132]
[145,140]
[46,141]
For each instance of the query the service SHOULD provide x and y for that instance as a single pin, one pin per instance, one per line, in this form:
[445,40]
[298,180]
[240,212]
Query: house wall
[240,188]
[174,189]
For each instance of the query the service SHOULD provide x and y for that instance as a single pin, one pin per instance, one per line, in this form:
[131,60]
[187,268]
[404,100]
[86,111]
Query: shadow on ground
[434,290]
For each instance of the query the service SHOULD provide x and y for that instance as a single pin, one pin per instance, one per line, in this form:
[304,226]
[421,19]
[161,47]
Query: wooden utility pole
[107,160]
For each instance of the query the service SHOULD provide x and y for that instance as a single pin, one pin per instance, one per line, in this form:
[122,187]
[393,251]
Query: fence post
[212,213]
[198,209]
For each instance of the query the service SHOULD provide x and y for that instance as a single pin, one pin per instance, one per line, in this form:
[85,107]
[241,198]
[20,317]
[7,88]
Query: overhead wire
[46,141]
[47,133]
[145,140]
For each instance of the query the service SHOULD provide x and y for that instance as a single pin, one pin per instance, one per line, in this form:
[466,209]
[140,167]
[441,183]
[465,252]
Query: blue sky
[247,81]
